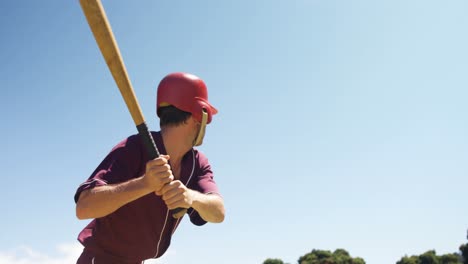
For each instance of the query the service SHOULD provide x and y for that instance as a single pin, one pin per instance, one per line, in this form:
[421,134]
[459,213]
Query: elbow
[216,215]
[82,209]
[80,212]
[219,218]
[220,211]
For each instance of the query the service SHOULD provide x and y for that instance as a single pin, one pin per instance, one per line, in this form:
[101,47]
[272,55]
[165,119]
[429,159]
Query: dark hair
[172,116]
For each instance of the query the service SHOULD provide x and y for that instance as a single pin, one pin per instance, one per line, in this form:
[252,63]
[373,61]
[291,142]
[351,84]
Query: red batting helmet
[186,92]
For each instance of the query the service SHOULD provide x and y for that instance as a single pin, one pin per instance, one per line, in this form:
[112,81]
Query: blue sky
[342,124]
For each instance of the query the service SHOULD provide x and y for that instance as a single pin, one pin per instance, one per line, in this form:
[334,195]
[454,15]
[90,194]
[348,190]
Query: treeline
[341,256]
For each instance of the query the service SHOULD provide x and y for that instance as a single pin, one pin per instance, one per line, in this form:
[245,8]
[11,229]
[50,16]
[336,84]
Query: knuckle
[152,162]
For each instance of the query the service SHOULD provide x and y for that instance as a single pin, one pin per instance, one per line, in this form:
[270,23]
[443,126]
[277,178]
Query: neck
[175,142]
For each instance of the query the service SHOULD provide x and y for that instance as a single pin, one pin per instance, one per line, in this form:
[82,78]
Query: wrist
[143,185]
[195,198]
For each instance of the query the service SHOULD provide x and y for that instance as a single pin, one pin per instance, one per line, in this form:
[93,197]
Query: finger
[163,159]
[171,186]
[176,202]
[167,189]
[170,193]
[153,165]
[162,182]
[155,169]
[161,173]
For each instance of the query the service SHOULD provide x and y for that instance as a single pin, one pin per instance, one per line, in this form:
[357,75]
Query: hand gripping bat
[102,31]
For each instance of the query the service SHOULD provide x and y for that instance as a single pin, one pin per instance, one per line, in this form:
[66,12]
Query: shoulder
[130,141]
[200,158]
[199,155]
[128,146]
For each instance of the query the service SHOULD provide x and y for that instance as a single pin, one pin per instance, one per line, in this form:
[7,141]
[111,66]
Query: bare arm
[209,206]
[103,200]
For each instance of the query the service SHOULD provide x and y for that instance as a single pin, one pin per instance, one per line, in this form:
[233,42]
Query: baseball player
[130,198]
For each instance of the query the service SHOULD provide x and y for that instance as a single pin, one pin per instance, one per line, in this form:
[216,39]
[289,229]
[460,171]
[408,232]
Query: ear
[191,120]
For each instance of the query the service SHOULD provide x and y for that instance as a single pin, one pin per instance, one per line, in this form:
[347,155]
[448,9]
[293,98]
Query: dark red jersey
[141,229]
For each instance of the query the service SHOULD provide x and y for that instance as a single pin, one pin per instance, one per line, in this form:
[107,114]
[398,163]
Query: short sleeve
[120,165]
[205,180]
[205,184]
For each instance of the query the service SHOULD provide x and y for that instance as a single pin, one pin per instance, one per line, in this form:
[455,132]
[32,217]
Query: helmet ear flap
[202,106]
[201,131]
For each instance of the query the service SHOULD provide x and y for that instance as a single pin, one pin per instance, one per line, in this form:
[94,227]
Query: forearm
[209,206]
[103,200]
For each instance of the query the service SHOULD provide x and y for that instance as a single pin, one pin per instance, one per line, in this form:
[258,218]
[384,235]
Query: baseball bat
[102,31]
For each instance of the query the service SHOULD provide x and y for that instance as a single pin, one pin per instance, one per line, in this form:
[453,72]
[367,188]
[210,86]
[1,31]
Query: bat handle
[153,153]
[148,141]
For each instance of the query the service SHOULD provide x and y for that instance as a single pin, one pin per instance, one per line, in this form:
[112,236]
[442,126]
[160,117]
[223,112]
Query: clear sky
[342,124]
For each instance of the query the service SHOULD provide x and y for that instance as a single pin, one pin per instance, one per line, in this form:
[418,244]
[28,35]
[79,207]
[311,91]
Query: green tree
[273,261]
[358,260]
[450,259]
[339,256]
[408,260]
[316,257]
[464,253]
[430,257]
